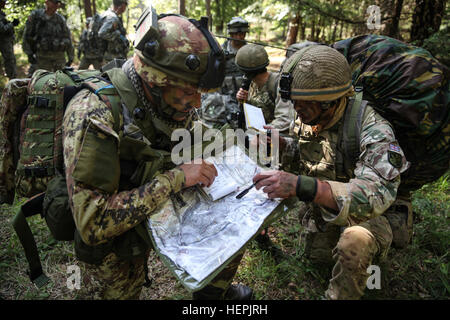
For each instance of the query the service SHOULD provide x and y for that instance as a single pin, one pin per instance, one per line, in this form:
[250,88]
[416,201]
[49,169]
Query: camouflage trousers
[86,62]
[9,60]
[353,249]
[52,62]
[118,279]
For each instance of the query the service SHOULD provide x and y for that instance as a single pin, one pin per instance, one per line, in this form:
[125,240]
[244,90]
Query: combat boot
[239,292]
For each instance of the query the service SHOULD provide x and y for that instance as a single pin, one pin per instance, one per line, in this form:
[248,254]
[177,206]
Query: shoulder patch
[394,156]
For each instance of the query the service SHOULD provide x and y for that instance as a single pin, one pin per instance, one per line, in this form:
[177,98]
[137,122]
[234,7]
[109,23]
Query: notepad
[254,117]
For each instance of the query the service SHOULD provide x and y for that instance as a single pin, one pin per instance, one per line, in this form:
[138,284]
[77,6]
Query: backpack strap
[32,207]
[350,132]
[273,84]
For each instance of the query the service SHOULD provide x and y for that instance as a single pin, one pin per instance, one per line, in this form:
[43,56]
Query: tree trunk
[426,19]
[392,29]
[182,7]
[313,28]
[219,25]
[333,37]
[208,13]
[87,8]
[342,29]
[293,29]
[94,6]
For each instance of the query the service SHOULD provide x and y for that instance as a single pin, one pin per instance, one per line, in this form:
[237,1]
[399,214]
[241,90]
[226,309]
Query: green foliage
[439,45]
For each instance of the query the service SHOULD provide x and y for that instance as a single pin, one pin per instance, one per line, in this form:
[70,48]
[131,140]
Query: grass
[420,271]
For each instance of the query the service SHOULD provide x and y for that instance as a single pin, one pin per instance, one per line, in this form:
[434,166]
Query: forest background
[420,271]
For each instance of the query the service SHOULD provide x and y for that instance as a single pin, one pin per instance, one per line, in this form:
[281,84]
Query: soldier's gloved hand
[277,184]
[242,95]
[15,22]
[203,173]
[32,59]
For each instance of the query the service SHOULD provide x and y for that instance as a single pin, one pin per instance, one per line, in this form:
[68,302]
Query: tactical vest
[139,163]
[264,98]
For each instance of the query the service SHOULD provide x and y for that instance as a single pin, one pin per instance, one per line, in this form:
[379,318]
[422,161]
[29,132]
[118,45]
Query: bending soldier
[345,199]
[7,42]
[92,51]
[113,32]
[113,193]
[47,39]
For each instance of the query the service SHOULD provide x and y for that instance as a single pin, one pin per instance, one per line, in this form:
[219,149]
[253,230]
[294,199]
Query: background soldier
[47,38]
[113,32]
[346,198]
[7,42]
[92,52]
[237,29]
[113,193]
[252,60]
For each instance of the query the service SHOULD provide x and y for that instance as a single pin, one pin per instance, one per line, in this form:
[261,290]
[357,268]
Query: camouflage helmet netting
[179,38]
[252,57]
[321,73]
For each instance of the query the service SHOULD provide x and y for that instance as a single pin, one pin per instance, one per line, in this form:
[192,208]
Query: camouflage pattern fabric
[114,33]
[361,198]
[233,76]
[276,112]
[13,104]
[102,211]
[91,54]
[410,88]
[48,37]
[115,278]
[7,46]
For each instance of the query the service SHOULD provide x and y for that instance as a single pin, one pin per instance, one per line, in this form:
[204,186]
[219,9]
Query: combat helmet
[178,51]
[237,24]
[252,57]
[316,73]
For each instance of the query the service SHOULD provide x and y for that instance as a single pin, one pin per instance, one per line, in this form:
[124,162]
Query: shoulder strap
[350,134]
[31,207]
[273,84]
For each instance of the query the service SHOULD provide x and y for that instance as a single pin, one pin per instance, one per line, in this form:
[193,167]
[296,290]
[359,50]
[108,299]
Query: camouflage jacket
[102,212]
[278,113]
[114,33]
[371,188]
[87,49]
[47,36]
[233,76]
[6,27]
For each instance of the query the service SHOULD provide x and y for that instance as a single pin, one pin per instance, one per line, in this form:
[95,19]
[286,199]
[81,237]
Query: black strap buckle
[285,86]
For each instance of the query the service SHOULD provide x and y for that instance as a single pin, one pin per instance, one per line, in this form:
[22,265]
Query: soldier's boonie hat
[237,24]
[318,73]
[182,56]
[252,57]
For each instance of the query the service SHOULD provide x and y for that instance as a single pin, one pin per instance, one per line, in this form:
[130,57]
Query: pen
[243,193]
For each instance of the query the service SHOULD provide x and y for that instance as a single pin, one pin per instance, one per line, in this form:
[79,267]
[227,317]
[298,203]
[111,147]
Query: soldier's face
[181,99]
[122,8]
[308,111]
[51,6]
[239,36]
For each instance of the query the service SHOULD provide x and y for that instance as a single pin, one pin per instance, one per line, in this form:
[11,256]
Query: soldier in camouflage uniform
[110,207]
[47,39]
[7,42]
[237,29]
[91,55]
[113,32]
[345,203]
[252,60]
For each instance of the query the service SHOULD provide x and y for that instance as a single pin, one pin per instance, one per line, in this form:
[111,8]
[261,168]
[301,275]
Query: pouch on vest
[56,210]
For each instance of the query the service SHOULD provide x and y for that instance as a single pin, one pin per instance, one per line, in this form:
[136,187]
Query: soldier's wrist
[306,189]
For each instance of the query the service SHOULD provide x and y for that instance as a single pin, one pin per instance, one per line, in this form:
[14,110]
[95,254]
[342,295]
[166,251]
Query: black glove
[15,22]
[32,59]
